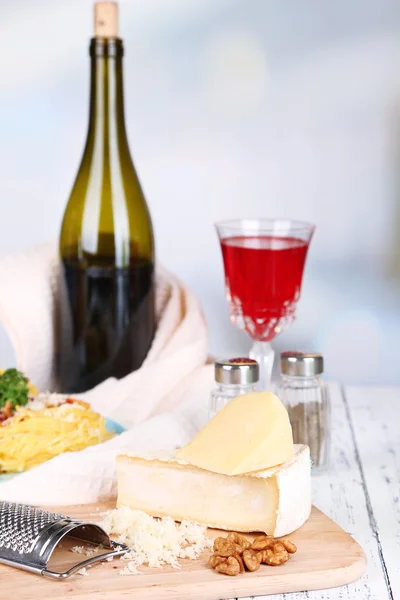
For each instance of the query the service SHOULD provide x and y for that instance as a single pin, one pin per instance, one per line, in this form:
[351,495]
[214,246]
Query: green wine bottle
[106,311]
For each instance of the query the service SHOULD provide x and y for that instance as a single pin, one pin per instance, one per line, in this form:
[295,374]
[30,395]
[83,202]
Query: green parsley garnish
[13,388]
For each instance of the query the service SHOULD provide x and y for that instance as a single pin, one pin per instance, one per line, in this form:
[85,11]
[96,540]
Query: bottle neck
[106,117]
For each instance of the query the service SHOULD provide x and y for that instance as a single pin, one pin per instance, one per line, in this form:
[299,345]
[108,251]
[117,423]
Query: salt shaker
[233,377]
[307,401]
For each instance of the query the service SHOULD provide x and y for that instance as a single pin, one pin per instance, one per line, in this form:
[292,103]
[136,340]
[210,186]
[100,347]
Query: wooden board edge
[339,576]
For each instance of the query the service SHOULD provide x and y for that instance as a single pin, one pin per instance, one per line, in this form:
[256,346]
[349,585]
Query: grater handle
[118,550]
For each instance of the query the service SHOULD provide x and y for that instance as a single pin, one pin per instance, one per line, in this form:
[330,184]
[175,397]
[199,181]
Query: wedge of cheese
[252,432]
[275,501]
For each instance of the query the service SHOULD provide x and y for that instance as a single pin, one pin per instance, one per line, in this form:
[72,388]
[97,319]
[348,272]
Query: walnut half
[274,555]
[250,560]
[227,565]
[237,538]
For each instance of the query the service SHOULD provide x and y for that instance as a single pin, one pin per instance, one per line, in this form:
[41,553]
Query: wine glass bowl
[263,262]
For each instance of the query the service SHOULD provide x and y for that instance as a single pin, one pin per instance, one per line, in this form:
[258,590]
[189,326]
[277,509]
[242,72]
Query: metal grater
[29,535]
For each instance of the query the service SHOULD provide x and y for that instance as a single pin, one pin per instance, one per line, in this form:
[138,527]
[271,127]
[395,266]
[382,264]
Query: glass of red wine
[264,262]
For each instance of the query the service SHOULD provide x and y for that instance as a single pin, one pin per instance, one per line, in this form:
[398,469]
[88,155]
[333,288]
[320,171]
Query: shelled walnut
[234,554]
[228,566]
[250,559]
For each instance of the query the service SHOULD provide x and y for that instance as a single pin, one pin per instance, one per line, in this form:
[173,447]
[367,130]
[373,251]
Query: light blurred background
[234,108]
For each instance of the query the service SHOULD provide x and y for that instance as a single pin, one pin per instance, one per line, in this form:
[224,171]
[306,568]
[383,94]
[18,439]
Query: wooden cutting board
[327,557]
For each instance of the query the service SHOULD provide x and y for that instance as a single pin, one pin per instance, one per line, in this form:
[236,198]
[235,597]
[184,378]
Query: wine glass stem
[263,353]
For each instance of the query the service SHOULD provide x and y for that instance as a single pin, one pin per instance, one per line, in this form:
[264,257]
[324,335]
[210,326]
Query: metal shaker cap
[301,364]
[236,371]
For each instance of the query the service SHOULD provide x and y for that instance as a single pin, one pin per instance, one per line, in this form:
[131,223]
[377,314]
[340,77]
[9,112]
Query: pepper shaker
[234,377]
[306,398]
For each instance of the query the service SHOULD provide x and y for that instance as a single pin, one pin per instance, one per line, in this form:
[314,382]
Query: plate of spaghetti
[37,427]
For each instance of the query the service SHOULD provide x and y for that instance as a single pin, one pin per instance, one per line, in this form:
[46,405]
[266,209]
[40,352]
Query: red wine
[108,321]
[263,280]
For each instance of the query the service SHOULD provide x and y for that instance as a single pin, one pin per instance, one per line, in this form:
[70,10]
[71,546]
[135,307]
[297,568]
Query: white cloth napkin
[162,404]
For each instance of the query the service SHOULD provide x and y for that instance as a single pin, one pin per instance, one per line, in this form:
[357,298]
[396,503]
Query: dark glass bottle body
[106,316]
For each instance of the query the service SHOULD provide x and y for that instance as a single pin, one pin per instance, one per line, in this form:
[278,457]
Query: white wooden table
[361,492]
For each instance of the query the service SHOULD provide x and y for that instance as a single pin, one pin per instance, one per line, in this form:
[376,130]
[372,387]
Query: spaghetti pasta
[30,437]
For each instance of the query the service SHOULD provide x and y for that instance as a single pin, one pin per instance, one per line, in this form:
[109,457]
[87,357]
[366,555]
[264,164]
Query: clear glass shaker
[307,401]
[233,377]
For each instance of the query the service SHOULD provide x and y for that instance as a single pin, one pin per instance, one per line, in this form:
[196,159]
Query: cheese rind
[250,433]
[275,501]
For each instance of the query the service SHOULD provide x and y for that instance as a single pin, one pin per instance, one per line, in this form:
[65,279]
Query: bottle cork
[106,19]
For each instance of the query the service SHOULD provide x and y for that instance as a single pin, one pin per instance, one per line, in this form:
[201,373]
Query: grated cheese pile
[154,542]
[87,551]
